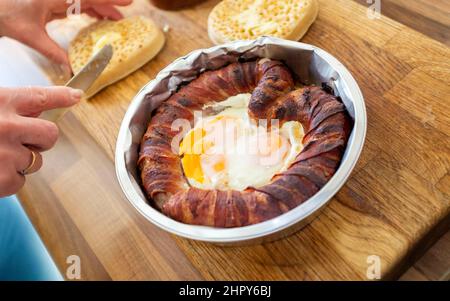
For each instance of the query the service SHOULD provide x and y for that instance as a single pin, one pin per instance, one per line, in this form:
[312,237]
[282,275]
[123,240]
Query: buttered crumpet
[234,20]
[135,41]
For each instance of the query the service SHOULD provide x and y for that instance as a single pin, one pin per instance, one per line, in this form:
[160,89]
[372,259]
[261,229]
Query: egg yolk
[195,147]
[191,149]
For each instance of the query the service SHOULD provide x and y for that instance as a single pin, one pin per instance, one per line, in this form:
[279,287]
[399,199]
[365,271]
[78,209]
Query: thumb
[42,42]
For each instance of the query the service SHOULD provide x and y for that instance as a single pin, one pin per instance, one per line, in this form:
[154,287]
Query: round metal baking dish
[311,64]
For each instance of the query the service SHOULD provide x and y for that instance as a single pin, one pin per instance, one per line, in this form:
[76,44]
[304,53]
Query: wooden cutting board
[396,201]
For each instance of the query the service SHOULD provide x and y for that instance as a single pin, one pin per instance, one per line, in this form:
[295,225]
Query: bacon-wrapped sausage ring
[325,121]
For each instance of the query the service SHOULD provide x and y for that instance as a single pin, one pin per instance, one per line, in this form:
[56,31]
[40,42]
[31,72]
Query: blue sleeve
[23,256]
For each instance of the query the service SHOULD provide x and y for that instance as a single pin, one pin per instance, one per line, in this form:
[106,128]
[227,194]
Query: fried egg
[230,151]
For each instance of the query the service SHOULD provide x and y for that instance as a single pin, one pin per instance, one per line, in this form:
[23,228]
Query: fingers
[32,101]
[59,7]
[107,11]
[107,2]
[40,41]
[27,161]
[39,134]
[10,181]
[24,103]
[104,8]
[11,178]
[92,13]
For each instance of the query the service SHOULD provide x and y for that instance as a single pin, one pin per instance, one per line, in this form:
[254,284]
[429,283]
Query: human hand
[21,133]
[25,20]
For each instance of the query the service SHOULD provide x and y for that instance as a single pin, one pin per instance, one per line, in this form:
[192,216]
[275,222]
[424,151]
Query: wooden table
[394,205]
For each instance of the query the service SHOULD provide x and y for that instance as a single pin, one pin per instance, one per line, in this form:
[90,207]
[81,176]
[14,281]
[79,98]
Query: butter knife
[84,79]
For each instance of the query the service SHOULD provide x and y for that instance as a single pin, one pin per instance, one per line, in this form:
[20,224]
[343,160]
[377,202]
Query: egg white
[239,152]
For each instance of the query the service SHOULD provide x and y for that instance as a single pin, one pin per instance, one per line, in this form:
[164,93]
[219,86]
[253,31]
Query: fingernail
[76,95]
[66,70]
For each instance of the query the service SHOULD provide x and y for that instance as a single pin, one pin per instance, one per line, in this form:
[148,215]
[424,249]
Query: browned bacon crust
[325,120]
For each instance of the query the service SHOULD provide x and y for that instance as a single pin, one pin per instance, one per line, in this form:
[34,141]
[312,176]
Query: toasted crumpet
[135,41]
[233,20]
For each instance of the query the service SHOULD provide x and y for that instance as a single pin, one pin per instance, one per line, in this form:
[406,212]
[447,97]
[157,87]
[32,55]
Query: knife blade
[84,79]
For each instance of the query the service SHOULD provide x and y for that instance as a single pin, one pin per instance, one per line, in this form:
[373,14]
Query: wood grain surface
[430,17]
[395,204]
